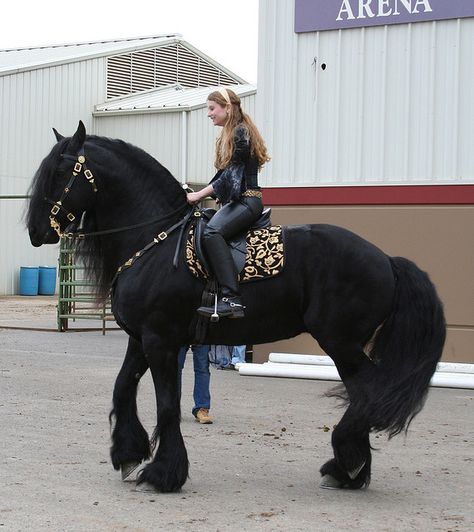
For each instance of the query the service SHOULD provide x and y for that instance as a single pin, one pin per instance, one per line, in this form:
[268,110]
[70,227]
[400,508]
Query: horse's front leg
[130,442]
[169,469]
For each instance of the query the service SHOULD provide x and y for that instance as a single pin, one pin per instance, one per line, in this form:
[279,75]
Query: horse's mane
[93,251]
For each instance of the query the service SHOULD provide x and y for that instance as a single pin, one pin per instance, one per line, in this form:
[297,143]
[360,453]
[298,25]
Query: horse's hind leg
[169,469]
[130,443]
[351,465]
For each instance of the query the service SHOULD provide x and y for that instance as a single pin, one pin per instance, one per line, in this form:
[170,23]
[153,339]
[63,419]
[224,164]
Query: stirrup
[233,310]
[237,308]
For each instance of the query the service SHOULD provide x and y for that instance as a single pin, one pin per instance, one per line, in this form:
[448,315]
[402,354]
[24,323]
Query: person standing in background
[238,354]
[202,377]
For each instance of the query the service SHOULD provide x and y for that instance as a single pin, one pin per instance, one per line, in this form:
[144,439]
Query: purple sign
[319,15]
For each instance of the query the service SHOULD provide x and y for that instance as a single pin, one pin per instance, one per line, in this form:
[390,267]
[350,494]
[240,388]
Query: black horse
[378,317]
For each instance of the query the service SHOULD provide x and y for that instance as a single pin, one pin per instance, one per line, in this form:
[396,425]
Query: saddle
[257,253]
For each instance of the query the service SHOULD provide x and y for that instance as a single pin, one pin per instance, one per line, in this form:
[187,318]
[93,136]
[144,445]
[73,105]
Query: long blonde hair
[236,117]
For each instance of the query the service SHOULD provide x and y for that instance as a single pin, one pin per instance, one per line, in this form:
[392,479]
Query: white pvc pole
[326,372]
[289,370]
[454,367]
[288,358]
[453,380]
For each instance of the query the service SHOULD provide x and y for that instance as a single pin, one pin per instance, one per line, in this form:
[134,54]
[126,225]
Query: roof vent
[156,67]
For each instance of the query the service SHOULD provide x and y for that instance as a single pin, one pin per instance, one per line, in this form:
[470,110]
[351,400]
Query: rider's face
[216,113]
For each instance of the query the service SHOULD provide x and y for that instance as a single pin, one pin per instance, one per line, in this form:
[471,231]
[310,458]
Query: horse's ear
[77,139]
[57,134]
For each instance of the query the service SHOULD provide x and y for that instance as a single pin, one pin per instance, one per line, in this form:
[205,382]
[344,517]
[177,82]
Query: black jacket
[241,173]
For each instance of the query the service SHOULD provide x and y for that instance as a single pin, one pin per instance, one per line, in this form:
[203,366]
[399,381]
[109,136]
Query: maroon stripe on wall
[371,195]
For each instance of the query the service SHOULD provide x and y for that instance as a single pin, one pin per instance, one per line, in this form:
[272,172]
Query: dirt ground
[255,468]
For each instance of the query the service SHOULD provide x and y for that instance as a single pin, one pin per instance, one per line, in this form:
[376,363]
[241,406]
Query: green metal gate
[76,299]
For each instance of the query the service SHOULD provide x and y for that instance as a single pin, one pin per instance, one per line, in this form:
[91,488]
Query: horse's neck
[128,196]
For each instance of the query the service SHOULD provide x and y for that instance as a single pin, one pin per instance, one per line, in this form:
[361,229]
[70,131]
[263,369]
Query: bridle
[79,168]
[58,206]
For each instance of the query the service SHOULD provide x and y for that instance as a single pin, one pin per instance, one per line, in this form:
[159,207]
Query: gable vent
[155,67]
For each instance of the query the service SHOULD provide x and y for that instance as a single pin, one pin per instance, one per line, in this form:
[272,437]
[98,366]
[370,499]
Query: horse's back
[334,247]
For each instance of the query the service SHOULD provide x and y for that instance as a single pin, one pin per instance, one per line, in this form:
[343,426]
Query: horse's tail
[406,350]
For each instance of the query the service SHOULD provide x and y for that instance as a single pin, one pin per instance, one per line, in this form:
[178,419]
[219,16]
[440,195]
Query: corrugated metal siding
[31,103]
[160,134]
[393,105]
[16,248]
[157,134]
[201,141]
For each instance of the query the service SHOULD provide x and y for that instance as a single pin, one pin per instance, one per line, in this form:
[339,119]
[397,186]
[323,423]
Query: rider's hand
[193,198]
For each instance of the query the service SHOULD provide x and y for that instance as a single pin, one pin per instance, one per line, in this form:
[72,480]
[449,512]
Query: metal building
[171,124]
[59,85]
[367,110]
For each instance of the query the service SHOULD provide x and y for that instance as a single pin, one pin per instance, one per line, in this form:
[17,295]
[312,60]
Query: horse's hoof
[330,483]
[145,487]
[353,474]
[127,469]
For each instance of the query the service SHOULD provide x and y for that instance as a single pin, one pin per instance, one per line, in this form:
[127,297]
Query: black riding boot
[229,303]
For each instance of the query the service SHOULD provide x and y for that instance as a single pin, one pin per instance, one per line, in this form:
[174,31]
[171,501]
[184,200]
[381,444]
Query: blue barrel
[47,280]
[29,278]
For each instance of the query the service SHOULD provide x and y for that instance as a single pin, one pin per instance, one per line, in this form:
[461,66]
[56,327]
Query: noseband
[79,168]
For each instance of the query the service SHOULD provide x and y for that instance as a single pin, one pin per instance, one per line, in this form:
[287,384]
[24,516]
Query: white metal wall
[161,135]
[393,104]
[31,103]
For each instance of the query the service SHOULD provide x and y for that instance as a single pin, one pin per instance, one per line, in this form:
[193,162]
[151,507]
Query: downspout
[184,147]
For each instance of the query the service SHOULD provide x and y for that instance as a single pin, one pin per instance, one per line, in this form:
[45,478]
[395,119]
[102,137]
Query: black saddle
[237,245]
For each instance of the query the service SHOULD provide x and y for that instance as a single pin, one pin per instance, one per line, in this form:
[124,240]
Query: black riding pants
[229,221]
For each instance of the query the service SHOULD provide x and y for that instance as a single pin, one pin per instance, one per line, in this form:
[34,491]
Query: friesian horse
[378,317]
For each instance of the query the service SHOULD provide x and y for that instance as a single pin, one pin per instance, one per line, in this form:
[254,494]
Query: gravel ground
[255,468]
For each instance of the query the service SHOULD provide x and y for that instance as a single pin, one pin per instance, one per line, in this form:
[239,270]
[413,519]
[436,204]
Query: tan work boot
[202,415]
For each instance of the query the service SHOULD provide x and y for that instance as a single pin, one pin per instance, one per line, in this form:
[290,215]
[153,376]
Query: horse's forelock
[43,178]
[45,173]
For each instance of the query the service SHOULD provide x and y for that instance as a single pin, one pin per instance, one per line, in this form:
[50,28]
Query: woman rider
[240,153]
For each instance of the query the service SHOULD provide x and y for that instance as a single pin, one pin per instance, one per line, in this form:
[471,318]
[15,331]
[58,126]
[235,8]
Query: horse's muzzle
[38,239]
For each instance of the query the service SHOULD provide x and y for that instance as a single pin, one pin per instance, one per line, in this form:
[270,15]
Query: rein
[81,236]
[78,169]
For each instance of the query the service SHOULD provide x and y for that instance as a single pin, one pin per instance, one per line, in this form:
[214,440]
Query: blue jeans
[202,376]
[238,354]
